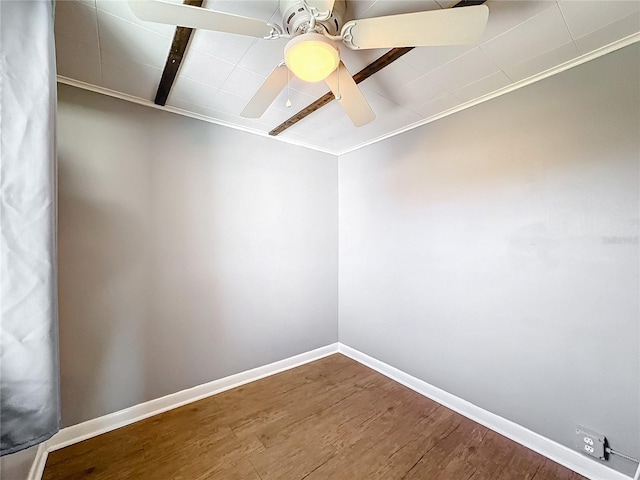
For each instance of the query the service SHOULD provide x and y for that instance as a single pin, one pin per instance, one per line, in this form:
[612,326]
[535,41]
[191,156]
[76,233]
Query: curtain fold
[29,383]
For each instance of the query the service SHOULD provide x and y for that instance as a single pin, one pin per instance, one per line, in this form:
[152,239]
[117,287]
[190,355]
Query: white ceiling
[101,45]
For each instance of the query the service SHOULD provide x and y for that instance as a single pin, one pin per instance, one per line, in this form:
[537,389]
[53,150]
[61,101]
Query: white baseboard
[37,467]
[548,448]
[97,426]
[542,445]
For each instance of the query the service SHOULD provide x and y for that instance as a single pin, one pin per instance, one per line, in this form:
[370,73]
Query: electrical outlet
[591,443]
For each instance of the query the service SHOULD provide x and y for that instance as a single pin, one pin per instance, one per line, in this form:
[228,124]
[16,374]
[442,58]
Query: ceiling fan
[314,27]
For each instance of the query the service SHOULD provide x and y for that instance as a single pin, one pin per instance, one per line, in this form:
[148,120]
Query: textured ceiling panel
[102,45]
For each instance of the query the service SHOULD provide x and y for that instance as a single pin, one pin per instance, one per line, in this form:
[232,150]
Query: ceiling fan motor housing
[295,17]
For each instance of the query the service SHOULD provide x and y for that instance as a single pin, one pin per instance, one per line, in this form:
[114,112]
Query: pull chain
[288,104]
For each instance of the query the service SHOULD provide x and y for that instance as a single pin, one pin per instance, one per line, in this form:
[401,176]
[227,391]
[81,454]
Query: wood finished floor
[330,419]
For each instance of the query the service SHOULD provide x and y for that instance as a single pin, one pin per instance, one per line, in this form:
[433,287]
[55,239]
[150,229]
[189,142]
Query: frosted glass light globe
[311,57]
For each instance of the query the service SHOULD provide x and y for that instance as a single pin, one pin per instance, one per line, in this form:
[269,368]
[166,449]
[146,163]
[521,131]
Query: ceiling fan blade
[452,26]
[349,96]
[196,17]
[267,93]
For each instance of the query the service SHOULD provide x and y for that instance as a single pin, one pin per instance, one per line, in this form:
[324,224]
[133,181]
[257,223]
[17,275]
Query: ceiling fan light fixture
[311,57]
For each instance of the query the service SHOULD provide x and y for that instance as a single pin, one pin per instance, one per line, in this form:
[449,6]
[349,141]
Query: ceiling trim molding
[617,45]
[167,108]
[612,47]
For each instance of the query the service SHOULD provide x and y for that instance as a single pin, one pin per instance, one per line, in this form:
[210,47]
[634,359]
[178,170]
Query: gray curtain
[29,385]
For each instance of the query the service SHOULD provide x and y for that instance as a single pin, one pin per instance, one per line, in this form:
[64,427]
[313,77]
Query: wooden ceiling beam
[174,59]
[374,67]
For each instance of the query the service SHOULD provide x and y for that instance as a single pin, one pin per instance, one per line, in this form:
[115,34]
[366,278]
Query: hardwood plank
[276,386]
[286,408]
[198,458]
[448,458]
[525,465]
[333,418]
[550,470]
[380,438]
[240,471]
[101,445]
[291,462]
[333,423]
[401,462]
[92,466]
[298,413]
[493,455]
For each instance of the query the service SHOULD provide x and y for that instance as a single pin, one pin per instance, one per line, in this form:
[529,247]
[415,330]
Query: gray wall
[17,465]
[187,252]
[494,253]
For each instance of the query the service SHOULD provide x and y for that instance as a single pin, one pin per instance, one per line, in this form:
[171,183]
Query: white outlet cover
[591,443]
